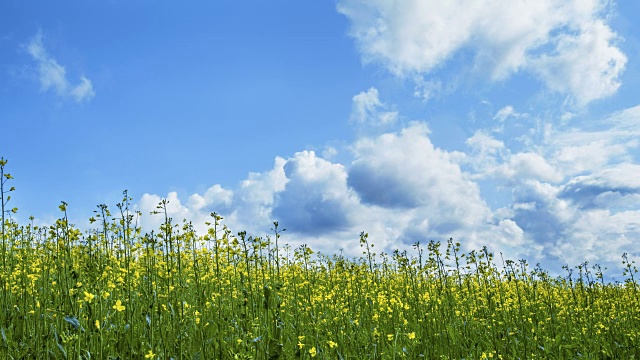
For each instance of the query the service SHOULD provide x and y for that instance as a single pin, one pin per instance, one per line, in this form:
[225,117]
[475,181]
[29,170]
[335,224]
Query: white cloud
[149,203]
[54,76]
[367,109]
[600,236]
[506,112]
[587,65]
[617,186]
[566,43]
[329,152]
[529,165]
[315,199]
[490,158]
[215,197]
[427,89]
[575,190]
[580,150]
[401,189]
[399,170]
[83,91]
[570,232]
[484,144]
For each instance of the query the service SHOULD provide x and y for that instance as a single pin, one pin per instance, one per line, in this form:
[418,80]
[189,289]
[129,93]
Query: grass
[116,293]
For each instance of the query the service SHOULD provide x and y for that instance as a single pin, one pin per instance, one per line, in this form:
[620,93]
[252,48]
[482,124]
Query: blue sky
[511,124]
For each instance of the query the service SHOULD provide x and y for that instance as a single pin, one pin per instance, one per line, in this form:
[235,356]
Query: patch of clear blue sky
[202,93]
[186,96]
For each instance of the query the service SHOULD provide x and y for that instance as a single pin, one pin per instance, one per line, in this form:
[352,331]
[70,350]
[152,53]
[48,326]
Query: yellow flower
[332,344]
[88,296]
[105,294]
[411,335]
[390,337]
[119,307]
[313,352]
[300,345]
[97,324]
[150,355]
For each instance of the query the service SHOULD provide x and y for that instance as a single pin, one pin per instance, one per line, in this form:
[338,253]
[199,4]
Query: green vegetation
[116,293]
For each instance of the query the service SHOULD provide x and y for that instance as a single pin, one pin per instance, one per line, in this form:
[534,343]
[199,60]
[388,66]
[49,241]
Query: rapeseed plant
[114,292]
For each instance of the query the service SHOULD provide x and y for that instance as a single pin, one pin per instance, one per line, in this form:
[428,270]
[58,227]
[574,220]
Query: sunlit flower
[118,306]
[313,352]
[88,297]
[150,355]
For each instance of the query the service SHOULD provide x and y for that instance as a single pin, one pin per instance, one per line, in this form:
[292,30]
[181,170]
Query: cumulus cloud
[316,198]
[398,187]
[216,198]
[614,187]
[571,229]
[574,191]
[567,44]
[485,151]
[367,109]
[587,65]
[149,203]
[401,189]
[52,75]
[405,170]
[529,165]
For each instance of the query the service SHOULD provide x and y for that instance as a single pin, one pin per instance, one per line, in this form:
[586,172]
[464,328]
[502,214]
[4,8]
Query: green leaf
[64,352]
[73,321]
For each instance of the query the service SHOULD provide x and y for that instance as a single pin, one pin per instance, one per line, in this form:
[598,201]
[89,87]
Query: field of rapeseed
[116,293]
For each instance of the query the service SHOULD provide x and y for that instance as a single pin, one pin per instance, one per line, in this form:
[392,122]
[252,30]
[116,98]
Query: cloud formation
[401,189]
[367,109]
[54,76]
[315,199]
[566,44]
[575,192]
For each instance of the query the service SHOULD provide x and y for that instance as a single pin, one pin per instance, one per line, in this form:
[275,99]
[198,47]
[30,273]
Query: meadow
[114,292]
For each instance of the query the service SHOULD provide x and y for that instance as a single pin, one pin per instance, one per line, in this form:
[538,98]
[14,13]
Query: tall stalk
[3,180]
